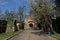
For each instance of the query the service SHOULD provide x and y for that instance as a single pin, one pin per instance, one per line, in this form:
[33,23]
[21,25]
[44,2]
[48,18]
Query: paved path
[32,35]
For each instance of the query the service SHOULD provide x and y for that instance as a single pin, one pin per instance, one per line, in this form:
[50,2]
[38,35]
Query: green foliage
[13,14]
[56,35]
[40,8]
[9,16]
[10,24]
[58,9]
[1,15]
[57,2]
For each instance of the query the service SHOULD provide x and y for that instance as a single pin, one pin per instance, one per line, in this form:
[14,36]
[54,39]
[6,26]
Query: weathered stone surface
[29,21]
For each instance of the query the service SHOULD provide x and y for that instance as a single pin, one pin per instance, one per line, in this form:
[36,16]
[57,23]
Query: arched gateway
[29,23]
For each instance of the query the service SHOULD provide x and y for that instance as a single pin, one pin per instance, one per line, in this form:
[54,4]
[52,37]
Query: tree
[20,13]
[6,14]
[13,15]
[41,12]
[1,15]
[57,2]
[9,16]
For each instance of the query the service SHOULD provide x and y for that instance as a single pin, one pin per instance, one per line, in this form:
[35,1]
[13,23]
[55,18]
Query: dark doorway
[31,26]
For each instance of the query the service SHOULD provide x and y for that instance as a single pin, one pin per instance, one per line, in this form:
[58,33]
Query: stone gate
[29,23]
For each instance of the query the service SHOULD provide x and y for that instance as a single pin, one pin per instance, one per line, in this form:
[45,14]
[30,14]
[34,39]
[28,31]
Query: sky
[13,4]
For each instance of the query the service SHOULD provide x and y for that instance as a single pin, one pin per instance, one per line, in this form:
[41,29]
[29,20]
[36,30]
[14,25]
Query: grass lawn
[3,36]
[57,35]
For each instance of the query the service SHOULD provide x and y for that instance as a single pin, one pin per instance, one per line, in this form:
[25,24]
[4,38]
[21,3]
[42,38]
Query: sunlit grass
[3,36]
[56,35]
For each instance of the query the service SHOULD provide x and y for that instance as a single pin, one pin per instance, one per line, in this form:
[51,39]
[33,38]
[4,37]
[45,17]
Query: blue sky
[13,4]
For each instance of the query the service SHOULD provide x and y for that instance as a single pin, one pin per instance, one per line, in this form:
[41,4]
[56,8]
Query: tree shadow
[39,33]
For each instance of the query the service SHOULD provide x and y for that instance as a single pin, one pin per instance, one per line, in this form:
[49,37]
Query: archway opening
[31,26]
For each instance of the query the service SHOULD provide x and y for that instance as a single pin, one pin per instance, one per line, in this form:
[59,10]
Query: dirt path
[32,35]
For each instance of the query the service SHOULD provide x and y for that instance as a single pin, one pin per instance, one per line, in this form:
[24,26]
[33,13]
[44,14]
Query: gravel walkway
[32,35]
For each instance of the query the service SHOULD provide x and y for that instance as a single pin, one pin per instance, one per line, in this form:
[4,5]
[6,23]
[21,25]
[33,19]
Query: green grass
[57,35]
[3,36]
